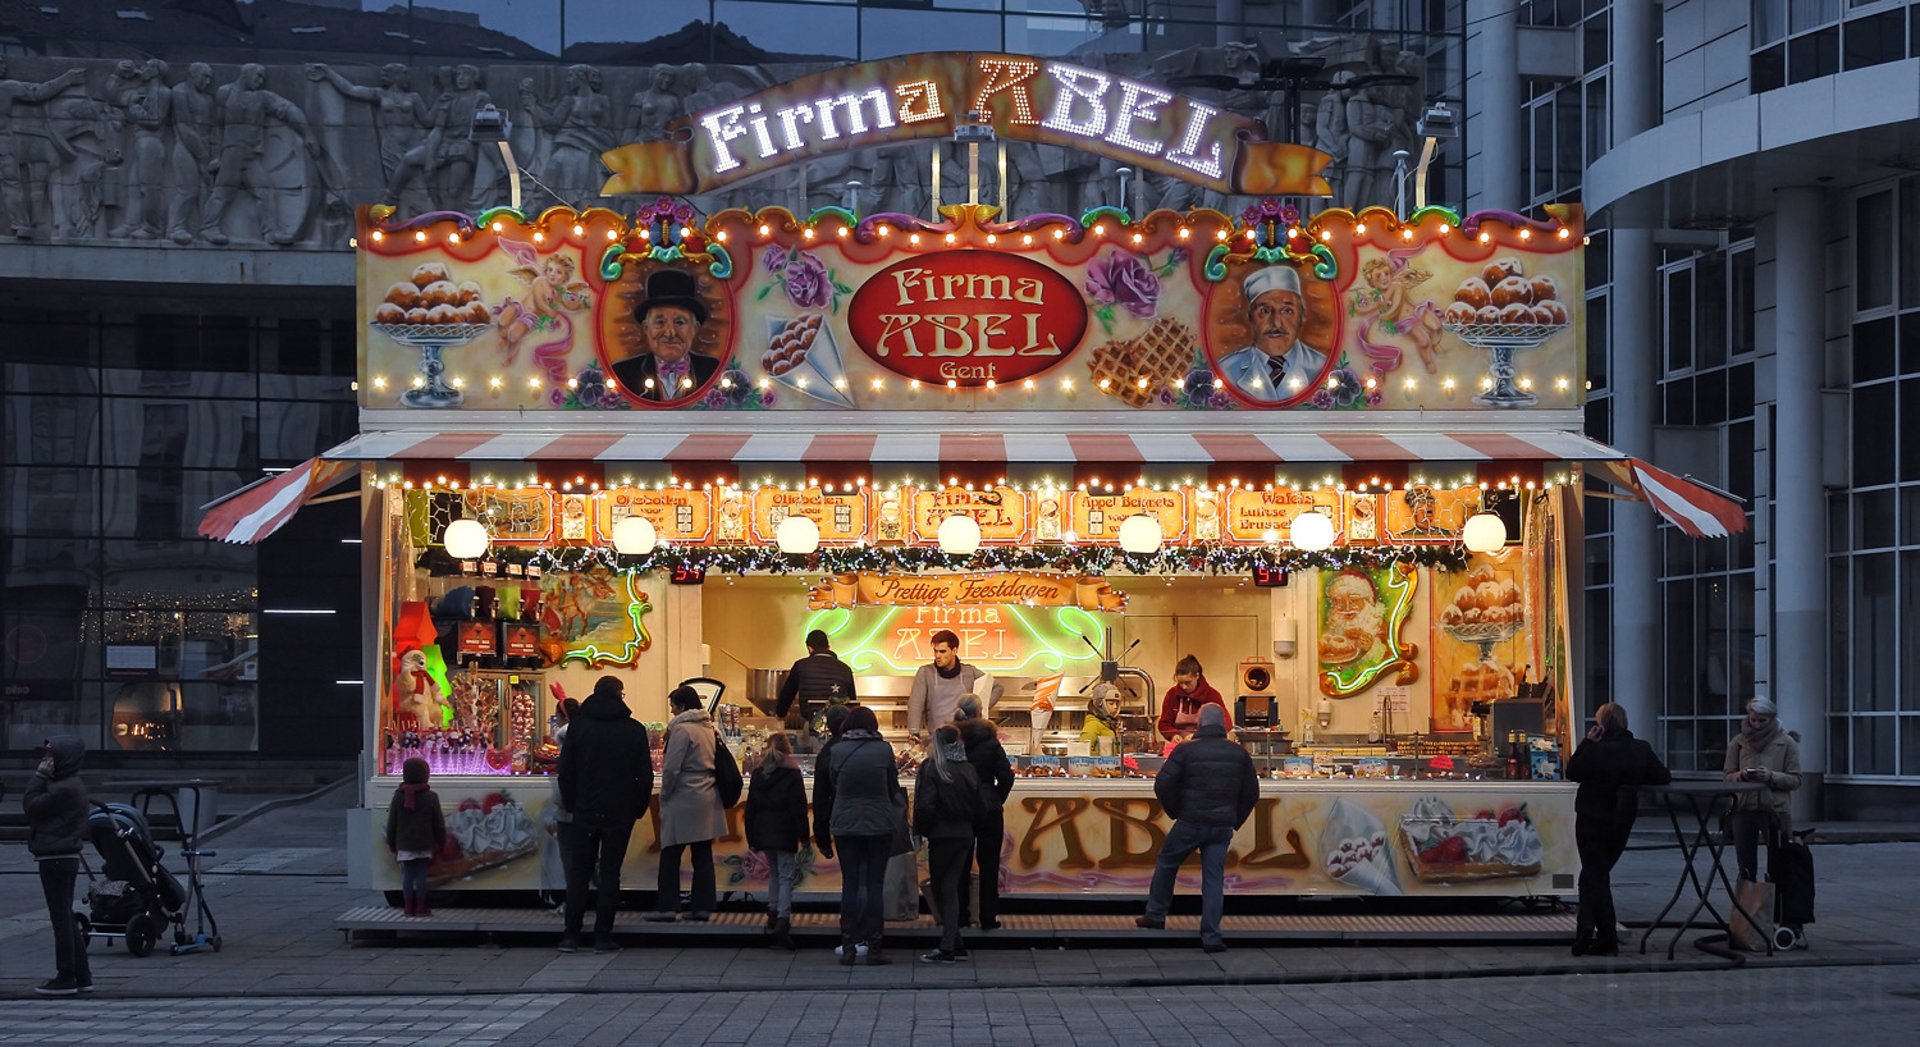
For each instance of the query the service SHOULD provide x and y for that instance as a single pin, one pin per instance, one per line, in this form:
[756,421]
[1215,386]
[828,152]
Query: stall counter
[1087,838]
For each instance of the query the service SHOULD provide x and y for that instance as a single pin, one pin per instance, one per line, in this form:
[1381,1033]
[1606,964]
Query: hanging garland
[1089,560]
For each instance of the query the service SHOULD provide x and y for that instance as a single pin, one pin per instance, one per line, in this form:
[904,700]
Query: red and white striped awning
[925,447]
[257,510]
[1690,506]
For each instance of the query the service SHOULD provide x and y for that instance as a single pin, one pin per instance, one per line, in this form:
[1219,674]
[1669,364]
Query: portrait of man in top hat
[1278,365]
[667,370]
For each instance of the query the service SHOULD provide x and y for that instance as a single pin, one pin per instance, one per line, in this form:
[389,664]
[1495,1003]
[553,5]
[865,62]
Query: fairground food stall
[1334,457]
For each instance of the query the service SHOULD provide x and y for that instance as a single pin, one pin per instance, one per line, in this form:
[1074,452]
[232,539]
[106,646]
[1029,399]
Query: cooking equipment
[763,688]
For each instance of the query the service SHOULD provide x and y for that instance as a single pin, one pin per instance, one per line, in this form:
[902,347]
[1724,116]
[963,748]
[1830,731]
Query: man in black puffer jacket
[1208,787]
[820,678]
[606,783]
[57,809]
[995,771]
[1611,765]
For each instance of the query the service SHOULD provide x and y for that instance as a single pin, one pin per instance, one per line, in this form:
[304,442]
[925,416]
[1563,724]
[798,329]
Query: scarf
[948,674]
[408,792]
[1756,741]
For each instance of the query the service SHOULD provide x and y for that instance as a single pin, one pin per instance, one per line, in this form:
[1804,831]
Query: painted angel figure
[1386,306]
[552,292]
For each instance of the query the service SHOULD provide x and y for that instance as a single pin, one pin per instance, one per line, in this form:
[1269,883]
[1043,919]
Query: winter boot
[783,933]
[876,957]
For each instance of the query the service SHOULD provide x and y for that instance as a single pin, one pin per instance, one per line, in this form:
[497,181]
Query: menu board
[1001,513]
[840,517]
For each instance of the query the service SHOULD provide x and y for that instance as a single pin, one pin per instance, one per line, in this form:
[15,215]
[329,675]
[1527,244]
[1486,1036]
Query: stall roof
[921,446]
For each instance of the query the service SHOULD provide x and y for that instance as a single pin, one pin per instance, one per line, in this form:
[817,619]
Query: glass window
[1838,761]
[884,33]
[1680,650]
[1740,459]
[1873,350]
[1593,43]
[1597,334]
[1874,634]
[1710,313]
[1807,14]
[1568,136]
[1909,618]
[52,430]
[1910,433]
[812,29]
[1873,232]
[1769,21]
[1813,56]
[1680,304]
[1768,69]
[1838,573]
[1598,133]
[1910,745]
[1873,434]
[66,708]
[1543,149]
[1910,345]
[1873,519]
[1873,739]
[1874,39]
[1740,306]
[51,500]
[1678,402]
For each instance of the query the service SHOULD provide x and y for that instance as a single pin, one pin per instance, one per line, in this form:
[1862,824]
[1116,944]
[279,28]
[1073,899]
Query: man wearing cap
[1277,366]
[670,317]
[819,679]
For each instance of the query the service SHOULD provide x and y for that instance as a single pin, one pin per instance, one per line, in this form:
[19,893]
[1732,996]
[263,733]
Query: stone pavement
[286,976]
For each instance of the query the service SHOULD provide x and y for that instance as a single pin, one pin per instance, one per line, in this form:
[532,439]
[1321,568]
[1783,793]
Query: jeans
[1749,827]
[1182,840]
[596,848]
[989,835]
[947,860]
[413,879]
[703,886]
[69,947]
[863,885]
[781,868]
[1600,845]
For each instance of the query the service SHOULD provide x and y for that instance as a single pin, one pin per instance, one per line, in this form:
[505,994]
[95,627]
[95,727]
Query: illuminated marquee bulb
[613,234]
[1059,234]
[1026,240]
[1564,233]
[1360,229]
[808,234]
[765,230]
[914,239]
[420,236]
[1185,232]
[841,232]
[1526,234]
[539,237]
[951,238]
[453,237]
[579,230]
[992,239]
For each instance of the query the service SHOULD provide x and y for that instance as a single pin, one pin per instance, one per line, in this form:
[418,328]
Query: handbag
[726,773]
[1750,926]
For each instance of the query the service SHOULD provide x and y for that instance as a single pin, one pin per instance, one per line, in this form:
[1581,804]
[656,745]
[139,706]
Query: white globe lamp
[797,536]
[1140,534]
[634,536]
[466,539]
[1484,533]
[1311,532]
[959,535]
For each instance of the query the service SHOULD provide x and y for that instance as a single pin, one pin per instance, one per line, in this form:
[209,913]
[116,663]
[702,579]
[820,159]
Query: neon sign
[928,95]
[1005,639]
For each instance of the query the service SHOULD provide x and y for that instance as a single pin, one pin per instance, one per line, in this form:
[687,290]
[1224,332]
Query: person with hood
[57,809]
[776,818]
[606,784]
[820,678]
[946,807]
[1611,765]
[1208,787]
[1762,752]
[1102,722]
[862,803]
[1190,693]
[995,774]
[415,831]
[691,815]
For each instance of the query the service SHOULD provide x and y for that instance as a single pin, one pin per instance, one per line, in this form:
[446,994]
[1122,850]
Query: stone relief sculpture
[255,158]
[143,215]
[24,168]
[189,164]
[1330,128]
[446,161]
[401,121]
[653,106]
[573,132]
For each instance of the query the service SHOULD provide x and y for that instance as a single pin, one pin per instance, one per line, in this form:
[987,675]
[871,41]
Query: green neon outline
[1403,587]
[861,656]
[638,607]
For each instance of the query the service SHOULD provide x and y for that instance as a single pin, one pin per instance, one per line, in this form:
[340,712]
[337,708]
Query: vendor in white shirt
[938,688]
[1277,366]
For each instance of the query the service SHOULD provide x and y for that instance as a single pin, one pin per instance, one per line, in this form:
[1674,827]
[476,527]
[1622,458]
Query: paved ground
[287,977]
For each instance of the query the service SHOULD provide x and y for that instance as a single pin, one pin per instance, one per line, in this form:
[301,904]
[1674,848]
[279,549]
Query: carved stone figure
[653,106]
[245,161]
[1330,128]
[190,110]
[19,154]
[575,131]
[401,120]
[147,106]
[447,159]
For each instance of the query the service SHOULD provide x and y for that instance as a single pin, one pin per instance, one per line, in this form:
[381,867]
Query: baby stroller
[135,897]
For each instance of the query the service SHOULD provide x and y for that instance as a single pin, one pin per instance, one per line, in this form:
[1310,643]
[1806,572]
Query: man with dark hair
[1208,787]
[819,677]
[938,687]
[606,784]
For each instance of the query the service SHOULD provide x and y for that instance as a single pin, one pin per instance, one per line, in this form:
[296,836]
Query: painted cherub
[1386,305]
[551,293]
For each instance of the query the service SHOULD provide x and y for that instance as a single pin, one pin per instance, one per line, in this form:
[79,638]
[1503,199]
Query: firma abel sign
[929,95]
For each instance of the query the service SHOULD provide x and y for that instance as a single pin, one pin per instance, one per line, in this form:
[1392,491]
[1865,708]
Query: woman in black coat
[776,822]
[1611,765]
[995,772]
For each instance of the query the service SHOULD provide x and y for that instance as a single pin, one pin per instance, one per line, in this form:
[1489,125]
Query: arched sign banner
[931,95]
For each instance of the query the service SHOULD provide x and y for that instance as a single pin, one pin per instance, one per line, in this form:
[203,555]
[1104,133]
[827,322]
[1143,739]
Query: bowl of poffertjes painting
[1503,295]
[1487,607]
[432,299]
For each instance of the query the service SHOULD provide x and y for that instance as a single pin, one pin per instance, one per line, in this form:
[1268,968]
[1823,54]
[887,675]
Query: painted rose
[809,285]
[1124,280]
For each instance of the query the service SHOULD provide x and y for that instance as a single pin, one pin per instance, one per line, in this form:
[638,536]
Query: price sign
[684,575]
[1267,576]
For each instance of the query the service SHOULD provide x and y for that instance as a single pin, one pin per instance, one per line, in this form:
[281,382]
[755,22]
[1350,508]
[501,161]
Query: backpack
[726,773]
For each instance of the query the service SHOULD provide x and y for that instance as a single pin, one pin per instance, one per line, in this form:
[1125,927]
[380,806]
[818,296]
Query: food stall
[1335,457]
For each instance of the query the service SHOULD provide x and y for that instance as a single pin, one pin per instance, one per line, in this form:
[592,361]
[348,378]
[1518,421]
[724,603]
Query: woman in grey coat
[690,812]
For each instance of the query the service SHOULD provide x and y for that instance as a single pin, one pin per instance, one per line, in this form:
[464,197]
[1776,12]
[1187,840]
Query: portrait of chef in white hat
[1278,365]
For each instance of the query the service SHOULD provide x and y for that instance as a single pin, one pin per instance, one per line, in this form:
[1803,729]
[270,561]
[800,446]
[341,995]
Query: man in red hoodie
[1180,709]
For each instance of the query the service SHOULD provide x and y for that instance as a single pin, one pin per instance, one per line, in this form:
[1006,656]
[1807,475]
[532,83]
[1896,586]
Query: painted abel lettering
[968,317]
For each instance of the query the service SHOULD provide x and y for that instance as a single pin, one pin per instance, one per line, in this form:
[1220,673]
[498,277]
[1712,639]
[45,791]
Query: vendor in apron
[938,688]
[1180,709]
[815,682]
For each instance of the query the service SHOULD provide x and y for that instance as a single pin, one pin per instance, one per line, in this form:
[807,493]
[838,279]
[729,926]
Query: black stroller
[135,897]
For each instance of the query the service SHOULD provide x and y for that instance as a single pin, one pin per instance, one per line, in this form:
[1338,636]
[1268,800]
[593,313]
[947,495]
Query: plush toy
[419,700]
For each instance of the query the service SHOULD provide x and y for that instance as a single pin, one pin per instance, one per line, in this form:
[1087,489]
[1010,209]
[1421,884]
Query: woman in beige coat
[1761,752]
[691,816]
